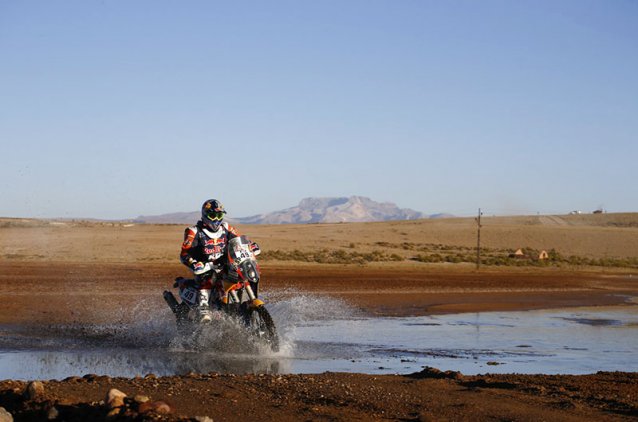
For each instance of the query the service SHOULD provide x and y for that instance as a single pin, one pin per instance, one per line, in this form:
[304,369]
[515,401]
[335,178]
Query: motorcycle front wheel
[260,323]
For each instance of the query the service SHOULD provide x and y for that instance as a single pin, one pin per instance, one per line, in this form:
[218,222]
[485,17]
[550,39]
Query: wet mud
[352,348]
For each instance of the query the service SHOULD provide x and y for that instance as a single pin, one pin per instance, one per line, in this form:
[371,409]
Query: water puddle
[319,334]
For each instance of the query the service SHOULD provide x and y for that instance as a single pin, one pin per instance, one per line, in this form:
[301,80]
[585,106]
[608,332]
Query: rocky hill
[309,210]
[335,210]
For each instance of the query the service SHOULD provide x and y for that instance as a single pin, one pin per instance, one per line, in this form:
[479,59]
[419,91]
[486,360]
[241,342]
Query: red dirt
[37,293]
[426,396]
[64,290]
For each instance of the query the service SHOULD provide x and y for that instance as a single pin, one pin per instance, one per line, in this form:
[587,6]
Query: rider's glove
[198,267]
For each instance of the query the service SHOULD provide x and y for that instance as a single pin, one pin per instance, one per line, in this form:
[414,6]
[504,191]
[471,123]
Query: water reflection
[569,341]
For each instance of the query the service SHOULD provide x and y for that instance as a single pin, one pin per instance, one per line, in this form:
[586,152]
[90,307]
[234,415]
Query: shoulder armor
[192,230]
[190,235]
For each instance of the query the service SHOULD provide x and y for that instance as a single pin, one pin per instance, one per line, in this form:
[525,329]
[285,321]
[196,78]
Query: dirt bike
[234,293]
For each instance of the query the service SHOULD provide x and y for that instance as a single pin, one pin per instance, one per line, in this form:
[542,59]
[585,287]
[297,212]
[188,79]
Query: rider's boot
[203,309]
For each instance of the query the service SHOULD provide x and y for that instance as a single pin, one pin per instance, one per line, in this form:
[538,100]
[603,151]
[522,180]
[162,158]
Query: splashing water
[291,309]
[151,325]
[143,326]
[319,333]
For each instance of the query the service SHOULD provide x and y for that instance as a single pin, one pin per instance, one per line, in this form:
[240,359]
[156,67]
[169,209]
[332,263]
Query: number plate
[241,253]
[189,295]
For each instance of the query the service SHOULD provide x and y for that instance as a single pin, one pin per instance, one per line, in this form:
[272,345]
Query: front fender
[257,303]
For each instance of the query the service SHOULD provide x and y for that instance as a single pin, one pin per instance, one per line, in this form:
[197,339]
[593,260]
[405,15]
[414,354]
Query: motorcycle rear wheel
[259,321]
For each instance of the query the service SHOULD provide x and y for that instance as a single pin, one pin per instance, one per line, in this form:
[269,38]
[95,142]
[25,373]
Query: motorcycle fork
[234,296]
[249,290]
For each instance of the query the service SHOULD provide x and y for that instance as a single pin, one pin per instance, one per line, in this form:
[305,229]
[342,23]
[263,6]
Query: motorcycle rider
[204,251]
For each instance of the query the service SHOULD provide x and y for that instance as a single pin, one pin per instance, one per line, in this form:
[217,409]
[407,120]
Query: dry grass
[601,240]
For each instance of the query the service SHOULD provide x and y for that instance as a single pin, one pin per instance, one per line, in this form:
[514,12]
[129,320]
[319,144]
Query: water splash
[531,342]
[291,308]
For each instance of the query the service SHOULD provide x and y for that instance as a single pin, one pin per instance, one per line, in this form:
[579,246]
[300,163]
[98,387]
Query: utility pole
[478,240]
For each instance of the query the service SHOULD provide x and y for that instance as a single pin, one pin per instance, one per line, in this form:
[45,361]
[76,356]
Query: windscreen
[239,249]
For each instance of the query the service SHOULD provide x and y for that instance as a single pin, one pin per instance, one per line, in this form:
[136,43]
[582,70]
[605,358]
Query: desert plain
[78,272]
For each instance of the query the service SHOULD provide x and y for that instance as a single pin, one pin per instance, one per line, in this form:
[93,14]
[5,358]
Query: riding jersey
[203,245]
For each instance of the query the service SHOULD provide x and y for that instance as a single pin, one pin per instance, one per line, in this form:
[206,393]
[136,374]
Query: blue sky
[115,109]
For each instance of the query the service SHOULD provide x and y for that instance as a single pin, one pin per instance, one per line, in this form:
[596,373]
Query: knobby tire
[265,322]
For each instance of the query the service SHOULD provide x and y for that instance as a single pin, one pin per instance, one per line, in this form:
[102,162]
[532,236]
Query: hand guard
[201,268]
[254,247]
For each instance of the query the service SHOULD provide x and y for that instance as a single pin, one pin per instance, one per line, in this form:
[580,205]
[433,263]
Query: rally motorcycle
[234,293]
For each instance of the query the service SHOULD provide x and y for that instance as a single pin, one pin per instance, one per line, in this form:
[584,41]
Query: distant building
[531,255]
[518,254]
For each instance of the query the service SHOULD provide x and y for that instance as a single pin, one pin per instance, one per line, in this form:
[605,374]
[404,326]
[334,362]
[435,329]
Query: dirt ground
[72,292]
[88,273]
[592,236]
[425,396]
[68,292]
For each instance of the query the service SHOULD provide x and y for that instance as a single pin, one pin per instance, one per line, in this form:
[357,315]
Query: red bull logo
[209,242]
[216,250]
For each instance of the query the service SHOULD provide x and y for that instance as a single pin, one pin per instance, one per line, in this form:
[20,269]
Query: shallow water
[576,341]
[319,334]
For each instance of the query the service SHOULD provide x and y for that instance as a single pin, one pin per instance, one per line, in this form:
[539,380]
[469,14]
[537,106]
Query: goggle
[215,215]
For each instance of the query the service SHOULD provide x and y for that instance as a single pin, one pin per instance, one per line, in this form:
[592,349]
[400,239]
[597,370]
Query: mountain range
[309,210]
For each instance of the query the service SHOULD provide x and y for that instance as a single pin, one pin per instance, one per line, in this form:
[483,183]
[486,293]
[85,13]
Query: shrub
[451,255]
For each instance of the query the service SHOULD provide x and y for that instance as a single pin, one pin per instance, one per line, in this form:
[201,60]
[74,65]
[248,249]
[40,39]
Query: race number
[189,295]
[241,253]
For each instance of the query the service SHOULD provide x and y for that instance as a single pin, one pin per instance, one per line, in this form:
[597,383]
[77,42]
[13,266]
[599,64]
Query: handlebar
[209,266]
